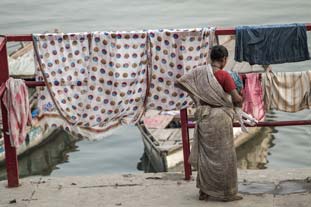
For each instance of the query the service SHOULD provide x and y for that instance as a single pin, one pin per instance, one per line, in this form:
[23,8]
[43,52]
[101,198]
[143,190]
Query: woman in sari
[213,153]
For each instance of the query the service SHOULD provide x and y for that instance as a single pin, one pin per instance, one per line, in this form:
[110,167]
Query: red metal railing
[185,125]
[269,123]
[10,152]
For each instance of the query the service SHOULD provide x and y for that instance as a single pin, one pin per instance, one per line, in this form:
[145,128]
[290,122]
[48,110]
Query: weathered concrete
[162,189]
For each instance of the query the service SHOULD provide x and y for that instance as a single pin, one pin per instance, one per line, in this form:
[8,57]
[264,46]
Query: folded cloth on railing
[244,119]
[287,91]
[174,53]
[15,100]
[253,96]
[271,44]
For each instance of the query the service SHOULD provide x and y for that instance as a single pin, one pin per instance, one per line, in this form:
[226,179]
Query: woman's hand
[237,99]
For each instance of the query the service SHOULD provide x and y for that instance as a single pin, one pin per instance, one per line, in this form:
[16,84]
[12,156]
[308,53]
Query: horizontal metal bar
[33,84]
[269,124]
[18,38]
[231,30]
[219,31]
[225,31]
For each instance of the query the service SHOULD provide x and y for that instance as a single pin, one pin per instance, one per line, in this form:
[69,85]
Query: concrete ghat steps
[259,188]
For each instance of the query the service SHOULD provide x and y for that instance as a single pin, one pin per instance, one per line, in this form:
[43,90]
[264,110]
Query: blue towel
[237,80]
[271,44]
[35,113]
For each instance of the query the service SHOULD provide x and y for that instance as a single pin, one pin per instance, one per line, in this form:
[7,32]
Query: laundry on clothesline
[117,77]
[242,116]
[104,79]
[98,87]
[99,80]
[271,44]
[287,91]
[63,60]
[15,100]
[253,96]
[237,80]
[174,53]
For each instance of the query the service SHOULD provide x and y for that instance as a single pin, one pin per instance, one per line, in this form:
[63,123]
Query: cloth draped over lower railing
[14,95]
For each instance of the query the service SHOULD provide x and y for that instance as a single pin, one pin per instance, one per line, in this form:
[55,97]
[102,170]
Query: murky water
[284,147]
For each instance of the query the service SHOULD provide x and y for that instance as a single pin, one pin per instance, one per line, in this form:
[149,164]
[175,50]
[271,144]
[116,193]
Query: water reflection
[43,159]
[145,164]
[253,154]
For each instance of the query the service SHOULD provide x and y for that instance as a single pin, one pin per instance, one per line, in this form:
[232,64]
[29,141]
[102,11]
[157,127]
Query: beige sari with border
[212,153]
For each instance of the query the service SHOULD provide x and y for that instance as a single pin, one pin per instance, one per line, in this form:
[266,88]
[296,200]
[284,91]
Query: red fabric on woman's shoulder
[225,80]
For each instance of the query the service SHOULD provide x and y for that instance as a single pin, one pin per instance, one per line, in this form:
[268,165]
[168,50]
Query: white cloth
[244,119]
[174,53]
[93,89]
[64,60]
[118,76]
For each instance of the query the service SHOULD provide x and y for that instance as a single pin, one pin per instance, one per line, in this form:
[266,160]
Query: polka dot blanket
[101,79]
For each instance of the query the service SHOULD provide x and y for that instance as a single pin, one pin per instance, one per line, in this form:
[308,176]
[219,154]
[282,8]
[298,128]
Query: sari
[213,152]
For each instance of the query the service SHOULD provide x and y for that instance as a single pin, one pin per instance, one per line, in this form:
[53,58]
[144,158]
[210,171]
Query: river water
[285,147]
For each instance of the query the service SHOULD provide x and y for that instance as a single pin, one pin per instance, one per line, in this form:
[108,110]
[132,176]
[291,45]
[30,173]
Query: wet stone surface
[253,188]
[293,186]
[282,188]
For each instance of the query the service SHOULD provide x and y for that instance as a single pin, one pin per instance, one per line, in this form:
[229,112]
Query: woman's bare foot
[202,196]
[233,198]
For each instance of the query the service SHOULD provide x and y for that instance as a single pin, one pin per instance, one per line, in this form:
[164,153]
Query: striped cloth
[287,91]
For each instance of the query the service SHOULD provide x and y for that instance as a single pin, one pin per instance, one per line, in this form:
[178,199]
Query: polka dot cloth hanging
[64,60]
[99,87]
[173,53]
[94,88]
[117,76]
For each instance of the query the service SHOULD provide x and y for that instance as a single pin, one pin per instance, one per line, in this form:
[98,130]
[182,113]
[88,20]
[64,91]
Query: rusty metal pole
[10,152]
[185,142]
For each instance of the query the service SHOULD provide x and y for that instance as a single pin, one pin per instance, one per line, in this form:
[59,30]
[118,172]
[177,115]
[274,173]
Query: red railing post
[185,142]
[10,152]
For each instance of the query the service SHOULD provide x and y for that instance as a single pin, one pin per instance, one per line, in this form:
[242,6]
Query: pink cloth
[158,122]
[253,96]
[15,99]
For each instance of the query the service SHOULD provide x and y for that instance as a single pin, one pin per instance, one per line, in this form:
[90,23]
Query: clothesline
[117,34]
[85,35]
[218,31]
[28,37]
